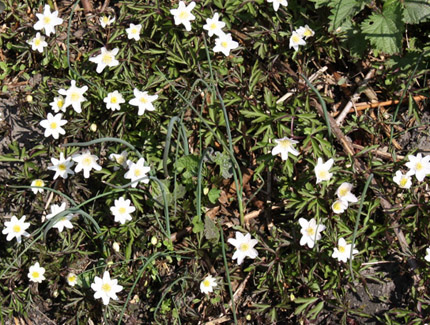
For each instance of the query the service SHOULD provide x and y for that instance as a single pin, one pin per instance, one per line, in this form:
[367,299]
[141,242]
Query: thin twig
[355,97]
[294,90]
[379,153]
[364,106]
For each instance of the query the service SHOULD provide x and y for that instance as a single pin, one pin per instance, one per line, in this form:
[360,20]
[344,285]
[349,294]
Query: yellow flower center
[310,231]
[323,174]
[137,172]
[183,15]
[343,191]
[37,41]
[285,144]
[296,39]
[105,20]
[106,287]
[307,32]
[418,166]
[113,100]
[143,100]
[337,206]
[72,278]
[38,182]
[403,182]
[75,96]
[62,167]
[342,249]
[122,210]
[212,26]
[35,274]
[244,247]
[224,44]
[134,31]
[47,20]
[60,103]
[107,58]
[120,159]
[16,228]
[206,283]
[87,161]
[53,125]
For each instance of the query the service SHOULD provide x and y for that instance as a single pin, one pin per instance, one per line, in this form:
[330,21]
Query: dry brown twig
[355,97]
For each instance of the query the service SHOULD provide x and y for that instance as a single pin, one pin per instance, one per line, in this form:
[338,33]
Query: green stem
[357,221]
[227,274]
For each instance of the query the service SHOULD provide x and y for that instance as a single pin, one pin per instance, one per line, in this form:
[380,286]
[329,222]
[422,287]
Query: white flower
[143,101]
[343,251]
[113,100]
[296,40]
[214,26]
[72,279]
[134,31]
[344,193]
[106,21]
[115,247]
[305,32]
[48,21]
[208,284]
[322,170]
[16,228]
[37,182]
[86,161]
[105,59]
[276,3]
[310,232]
[62,167]
[404,181]
[244,247]
[136,171]
[419,166]
[64,221]
[58,104]
[284,146]
[427,257]
[35,273]
[105,288]
[339,206]
[122,210]
[74,96]
[38,43]
[224,43]
[183,15]
[119,158]
[53,125]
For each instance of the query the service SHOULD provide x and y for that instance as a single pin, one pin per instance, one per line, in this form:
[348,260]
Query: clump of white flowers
[299,36]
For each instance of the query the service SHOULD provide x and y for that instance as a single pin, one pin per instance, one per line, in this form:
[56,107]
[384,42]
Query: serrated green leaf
[416,11]
[341,11]
[382,33]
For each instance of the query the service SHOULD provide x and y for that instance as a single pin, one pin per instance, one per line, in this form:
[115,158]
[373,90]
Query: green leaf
[213,195]
[341,11]
[382,33]
[320,3]
[211,230]
[198,225]
[416,11]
